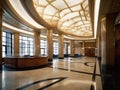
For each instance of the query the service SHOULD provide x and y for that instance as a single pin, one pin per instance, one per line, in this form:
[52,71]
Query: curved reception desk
[25,62]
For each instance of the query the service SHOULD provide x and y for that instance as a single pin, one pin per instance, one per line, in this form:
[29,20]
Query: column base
[72,56]
[99,58]
[61,57]
[0,68]
[50,59]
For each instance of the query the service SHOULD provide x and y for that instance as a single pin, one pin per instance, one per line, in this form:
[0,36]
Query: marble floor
[63,74]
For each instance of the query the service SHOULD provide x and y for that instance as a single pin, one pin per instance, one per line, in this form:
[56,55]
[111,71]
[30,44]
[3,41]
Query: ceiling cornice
[7,7]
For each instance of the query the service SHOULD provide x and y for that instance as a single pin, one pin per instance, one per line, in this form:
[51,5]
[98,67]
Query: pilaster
[37,42]
[50,44]
[61,46]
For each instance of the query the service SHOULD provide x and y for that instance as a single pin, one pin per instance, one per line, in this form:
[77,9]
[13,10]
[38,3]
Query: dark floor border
[36,82]
[93,77]
[77,71]
[87,64]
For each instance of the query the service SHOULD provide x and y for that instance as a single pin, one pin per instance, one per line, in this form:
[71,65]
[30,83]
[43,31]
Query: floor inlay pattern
[63,74]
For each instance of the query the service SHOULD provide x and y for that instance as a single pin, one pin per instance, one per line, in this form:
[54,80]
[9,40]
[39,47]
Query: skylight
[69,15]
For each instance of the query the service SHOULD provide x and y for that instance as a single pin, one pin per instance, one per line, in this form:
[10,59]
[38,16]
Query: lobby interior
[60,44]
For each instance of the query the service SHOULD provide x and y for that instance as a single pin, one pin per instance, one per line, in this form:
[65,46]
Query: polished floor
[64,74]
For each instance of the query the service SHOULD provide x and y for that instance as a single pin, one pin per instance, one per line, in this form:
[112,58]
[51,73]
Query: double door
[90,52]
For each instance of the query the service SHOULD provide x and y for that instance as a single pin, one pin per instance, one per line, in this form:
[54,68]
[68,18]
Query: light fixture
[16,29]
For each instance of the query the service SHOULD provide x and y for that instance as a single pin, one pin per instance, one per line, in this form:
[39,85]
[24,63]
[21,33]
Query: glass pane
[3,43]
[32,43]
[68,49]
[8,35]
[3,54]
[50,10]
[25,38]
[59,4]
[3,48]
[73,2]
[4,39]
[7,45]
[3,33]
[20,37]
[31,53]
[27,44]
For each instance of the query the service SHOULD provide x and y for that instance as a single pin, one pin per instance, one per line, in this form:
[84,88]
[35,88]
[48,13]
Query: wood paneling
[90,44]
[90,52]
[117,41]
[90,49]
[25,62]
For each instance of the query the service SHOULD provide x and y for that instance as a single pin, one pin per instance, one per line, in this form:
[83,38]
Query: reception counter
[25,62]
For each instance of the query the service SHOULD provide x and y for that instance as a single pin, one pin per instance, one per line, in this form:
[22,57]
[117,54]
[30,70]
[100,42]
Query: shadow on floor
[4,68]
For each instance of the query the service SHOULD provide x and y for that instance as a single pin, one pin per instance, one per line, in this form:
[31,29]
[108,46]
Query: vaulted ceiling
[69,16]
[73,18]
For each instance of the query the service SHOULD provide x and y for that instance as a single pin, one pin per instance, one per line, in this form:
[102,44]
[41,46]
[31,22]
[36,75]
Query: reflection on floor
[64,74]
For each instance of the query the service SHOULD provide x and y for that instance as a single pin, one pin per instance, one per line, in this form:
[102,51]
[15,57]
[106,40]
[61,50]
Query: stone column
[103,40]
[61,46]
[50,44]
[108,39]
[72,45]
[37,43]
[98,52]
[1,37]
[83,48]
[16,44]
[67,48]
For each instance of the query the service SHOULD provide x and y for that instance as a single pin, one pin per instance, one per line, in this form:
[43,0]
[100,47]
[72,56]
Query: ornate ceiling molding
[71,17]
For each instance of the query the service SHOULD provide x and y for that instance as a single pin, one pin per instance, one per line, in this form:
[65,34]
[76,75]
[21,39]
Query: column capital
[37,31]
[16,32]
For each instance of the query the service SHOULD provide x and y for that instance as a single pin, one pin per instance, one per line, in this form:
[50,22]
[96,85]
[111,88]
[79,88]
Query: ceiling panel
[67,15]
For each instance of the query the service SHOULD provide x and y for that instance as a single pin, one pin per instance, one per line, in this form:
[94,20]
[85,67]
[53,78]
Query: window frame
[7,43]
[26,45]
